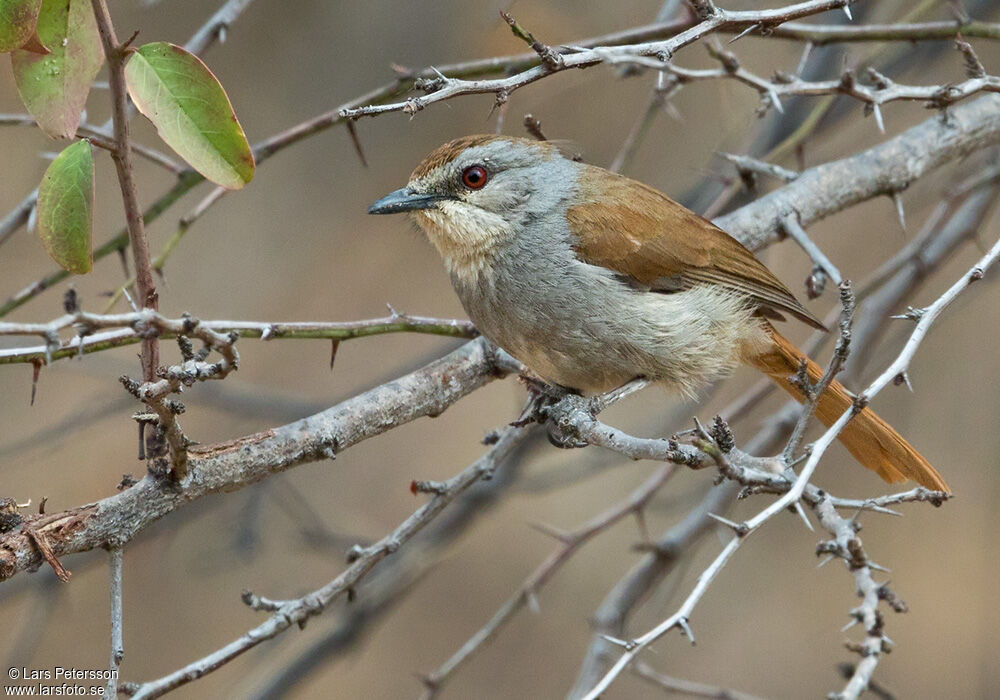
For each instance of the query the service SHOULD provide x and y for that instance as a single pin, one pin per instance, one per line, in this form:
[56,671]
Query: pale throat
[466,236]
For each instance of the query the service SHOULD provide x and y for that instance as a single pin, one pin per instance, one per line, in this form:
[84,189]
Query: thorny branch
[361,559]
[812,391]
[715,19]
[882,170]
[846,545]
[881,91]
[231,465]
[93,334]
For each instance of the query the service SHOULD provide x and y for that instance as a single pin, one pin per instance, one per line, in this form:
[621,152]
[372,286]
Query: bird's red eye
[474,177]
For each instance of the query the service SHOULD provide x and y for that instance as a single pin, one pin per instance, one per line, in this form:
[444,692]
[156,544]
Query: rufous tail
[872,441]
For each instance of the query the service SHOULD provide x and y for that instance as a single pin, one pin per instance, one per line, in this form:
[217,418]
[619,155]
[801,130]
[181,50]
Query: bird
[591,279]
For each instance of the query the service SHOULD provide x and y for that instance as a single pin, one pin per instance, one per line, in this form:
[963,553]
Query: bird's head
[474,193]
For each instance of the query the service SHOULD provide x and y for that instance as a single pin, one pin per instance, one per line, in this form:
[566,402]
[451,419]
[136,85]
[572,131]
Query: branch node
[973,66]
[436,488]
[739,529]
[682,622]
[551,59]
[703,9]
[355,552]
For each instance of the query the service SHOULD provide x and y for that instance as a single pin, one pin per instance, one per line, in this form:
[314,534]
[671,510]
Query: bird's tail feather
[872,441]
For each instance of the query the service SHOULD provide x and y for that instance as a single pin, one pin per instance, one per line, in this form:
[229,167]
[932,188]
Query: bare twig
[847,546]
[819,34]
[813,392]
[746,165]
[822,267]
[117,644]
[548,56]
[173,379]
[883,92]
[676,686]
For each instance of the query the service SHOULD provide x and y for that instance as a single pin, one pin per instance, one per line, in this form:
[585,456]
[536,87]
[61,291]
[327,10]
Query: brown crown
[442,155]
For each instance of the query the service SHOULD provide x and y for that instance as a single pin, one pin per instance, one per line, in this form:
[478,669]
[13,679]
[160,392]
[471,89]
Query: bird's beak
[404,200]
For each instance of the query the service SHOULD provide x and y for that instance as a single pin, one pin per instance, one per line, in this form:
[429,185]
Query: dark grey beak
[404,200]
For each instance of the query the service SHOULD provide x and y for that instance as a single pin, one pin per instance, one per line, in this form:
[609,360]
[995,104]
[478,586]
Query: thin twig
[819,34]
[847,546]
[129,327]
[100,138]
[677,686]
[117,643]
[813,392]
[116,54]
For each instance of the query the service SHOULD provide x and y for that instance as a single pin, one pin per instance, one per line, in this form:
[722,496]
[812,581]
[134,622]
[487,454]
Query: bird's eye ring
[474,177]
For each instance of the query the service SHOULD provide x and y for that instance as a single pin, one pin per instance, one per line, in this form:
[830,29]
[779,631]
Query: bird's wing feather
[644,235]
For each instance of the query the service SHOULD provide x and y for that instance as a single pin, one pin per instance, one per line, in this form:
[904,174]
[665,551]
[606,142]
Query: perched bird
[592,279]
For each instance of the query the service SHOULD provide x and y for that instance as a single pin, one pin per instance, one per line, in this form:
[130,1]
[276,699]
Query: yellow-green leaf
[54,86]
[17,22]
[66,208]
[191,112]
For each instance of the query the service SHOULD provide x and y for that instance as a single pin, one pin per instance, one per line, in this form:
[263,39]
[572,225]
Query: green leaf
[17,22]
[66,208]
[191,112]
[54,87]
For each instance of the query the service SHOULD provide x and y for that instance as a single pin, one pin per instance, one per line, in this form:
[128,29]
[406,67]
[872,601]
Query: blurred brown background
[296,245]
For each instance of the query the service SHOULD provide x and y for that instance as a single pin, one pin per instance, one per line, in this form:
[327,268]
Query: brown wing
[654,241]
